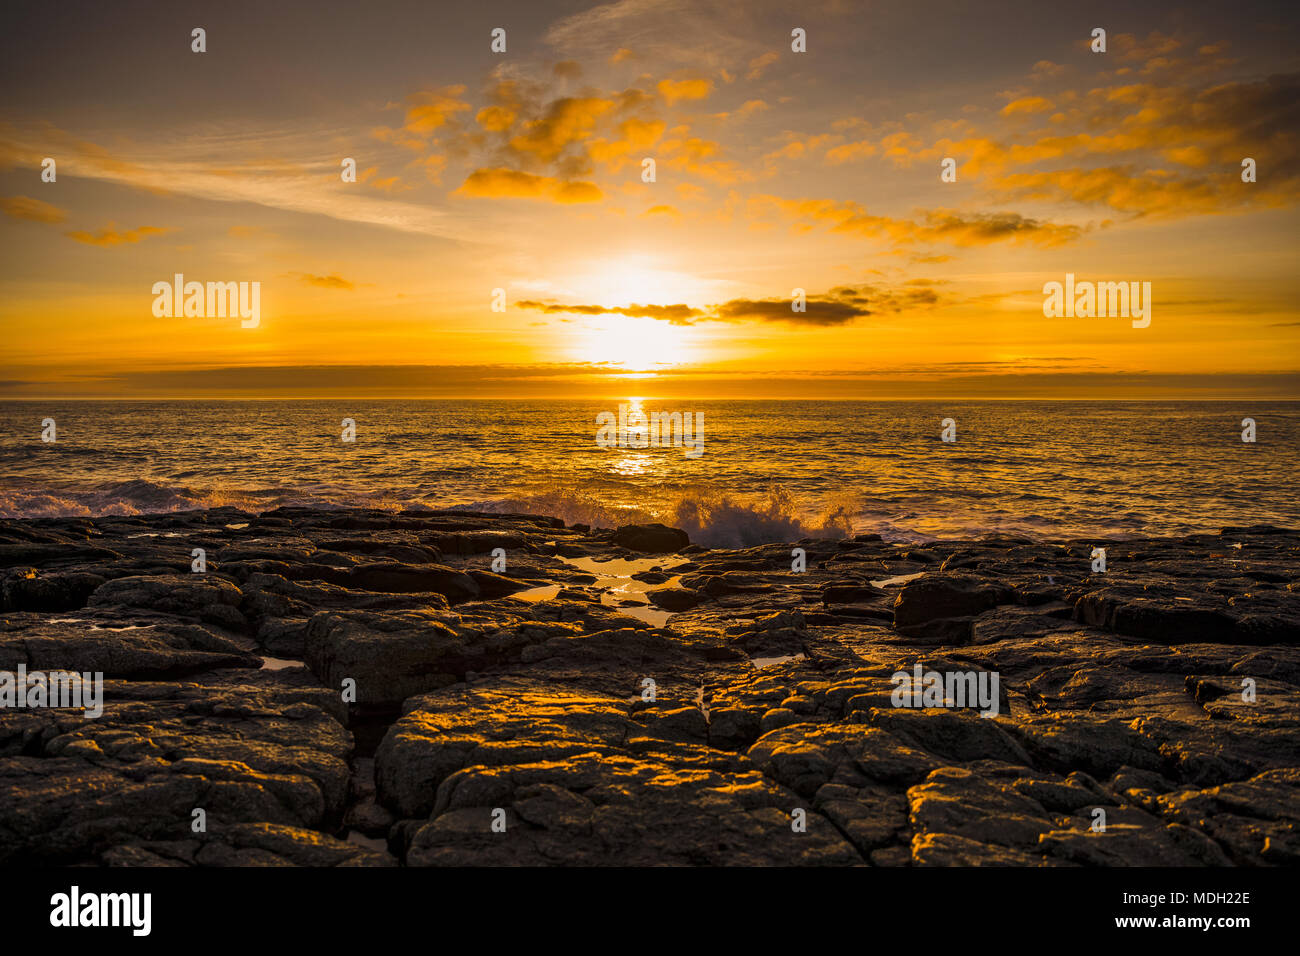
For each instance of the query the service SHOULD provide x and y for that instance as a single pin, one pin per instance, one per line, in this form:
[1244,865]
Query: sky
[518,179]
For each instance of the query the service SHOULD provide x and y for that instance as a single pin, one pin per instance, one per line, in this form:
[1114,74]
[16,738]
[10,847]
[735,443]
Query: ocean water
[770,471]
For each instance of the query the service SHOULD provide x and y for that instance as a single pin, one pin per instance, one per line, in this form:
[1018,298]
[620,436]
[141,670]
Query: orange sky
[775,170]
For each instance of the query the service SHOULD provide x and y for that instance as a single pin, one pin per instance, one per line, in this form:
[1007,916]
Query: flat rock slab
[339,677]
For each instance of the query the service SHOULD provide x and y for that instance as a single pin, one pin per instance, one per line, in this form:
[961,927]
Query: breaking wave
[713,519]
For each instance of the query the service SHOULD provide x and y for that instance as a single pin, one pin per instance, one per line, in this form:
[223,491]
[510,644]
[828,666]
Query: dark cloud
[676,314]
[821,311]
[839,306]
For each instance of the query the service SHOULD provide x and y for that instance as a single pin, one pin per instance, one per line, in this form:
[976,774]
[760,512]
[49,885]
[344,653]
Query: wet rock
[393,656]
[394,578]
[651,538]
[184,594]
[852,593]
[675,599]
[139,651]
[1153,619]
[248,844]
[26,589]
[79,787]
[1165,692]
[1132,838]
[938,596]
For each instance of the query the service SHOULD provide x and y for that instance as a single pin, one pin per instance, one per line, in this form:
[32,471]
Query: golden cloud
[495,119]
[111,237]
[761,63]
[32,210]
[935,225]
[690,89]
[431,109]
[500,183]
[662,210]
[567,121]
[1027,104]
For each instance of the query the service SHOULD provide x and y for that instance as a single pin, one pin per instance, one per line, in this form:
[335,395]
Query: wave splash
[715,520]
[711,518]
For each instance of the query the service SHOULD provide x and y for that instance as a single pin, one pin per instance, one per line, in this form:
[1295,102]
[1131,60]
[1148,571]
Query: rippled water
[769,471]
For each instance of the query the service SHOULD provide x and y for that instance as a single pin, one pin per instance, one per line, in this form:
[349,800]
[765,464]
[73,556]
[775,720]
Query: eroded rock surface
[369,688]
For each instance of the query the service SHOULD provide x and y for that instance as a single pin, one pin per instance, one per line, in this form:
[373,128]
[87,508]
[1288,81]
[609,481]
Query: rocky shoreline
[362,688]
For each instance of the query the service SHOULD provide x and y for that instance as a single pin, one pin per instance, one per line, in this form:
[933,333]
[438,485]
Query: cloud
[984,228]
[676,314]
[761,63]
[695,155]
[248,232]
[433,166]
[1129,48]
[821,311]
[332,281]
[839,306]
[111,237]
[934,225]
[567,121]
[641,133]
[673,91]
[189,168]
[662,211]
[688,33]
[848,152]
[32,210]
[513,184]
[1144,149]
[495,119]
[1195,132]
[431,109]
[1027,104]
[635,136]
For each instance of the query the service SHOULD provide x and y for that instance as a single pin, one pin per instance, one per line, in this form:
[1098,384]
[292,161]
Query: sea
[765,470]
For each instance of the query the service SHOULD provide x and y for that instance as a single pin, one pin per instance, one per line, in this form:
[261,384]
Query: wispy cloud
[197,167]
[32,210]
[332,281]
[114,237]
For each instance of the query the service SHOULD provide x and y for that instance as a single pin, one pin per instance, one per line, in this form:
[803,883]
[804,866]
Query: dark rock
[936,596]
[651,538]
[605,740]
[674,599]
[392,578]
[26,589]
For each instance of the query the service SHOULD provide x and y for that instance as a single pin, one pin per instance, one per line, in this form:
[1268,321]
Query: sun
[632,342]
[635,343]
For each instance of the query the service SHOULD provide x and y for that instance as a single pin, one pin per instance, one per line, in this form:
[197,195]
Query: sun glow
[639,279]
[631,342]
[634,343]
